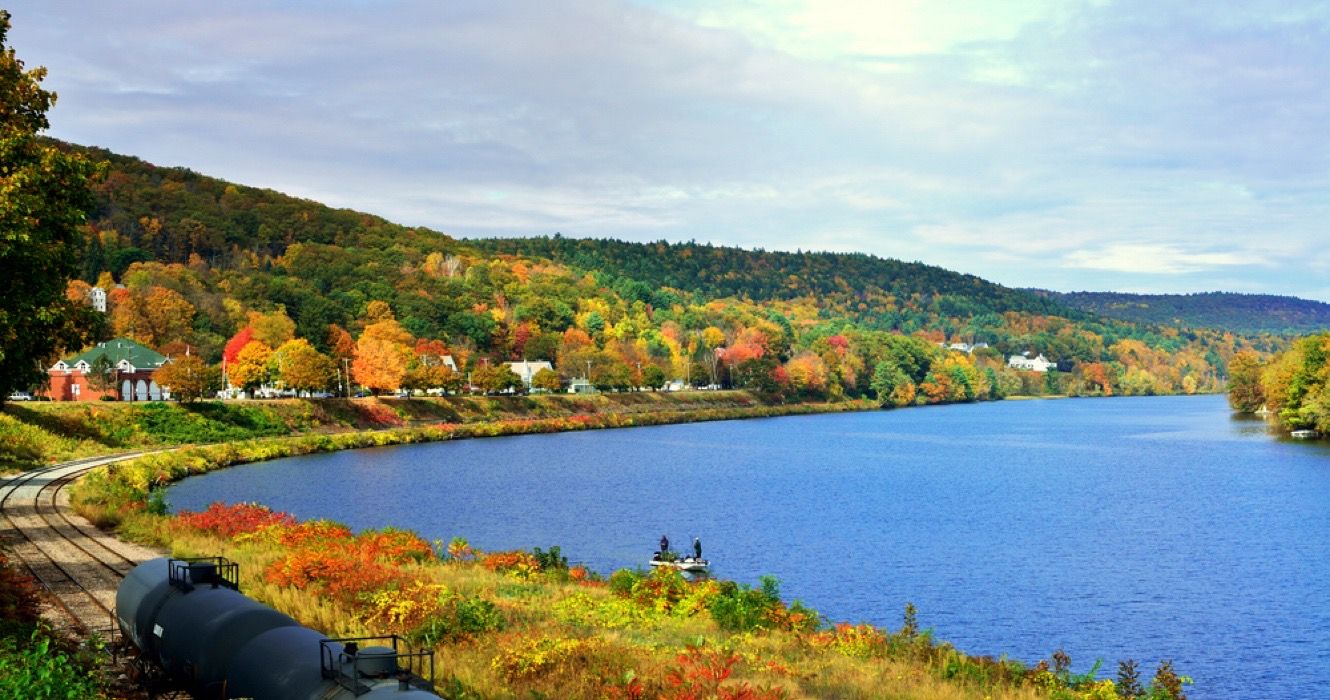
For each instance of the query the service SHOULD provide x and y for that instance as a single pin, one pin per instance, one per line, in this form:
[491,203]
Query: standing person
[664,544]
[697,548]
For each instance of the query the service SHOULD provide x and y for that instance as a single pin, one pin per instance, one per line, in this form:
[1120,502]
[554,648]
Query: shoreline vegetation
[1290,389]
[524,623]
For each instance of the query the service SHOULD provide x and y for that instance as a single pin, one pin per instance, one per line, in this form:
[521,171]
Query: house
[966,347]
[527,370]
[1026,363]
[97,296]
[132,366]
[581,386]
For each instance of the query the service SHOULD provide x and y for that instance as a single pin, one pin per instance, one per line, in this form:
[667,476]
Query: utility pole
[346,363]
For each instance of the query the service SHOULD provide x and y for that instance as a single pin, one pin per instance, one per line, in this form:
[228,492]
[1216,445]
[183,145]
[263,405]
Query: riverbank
[517,623]
[38,433]
[108,495]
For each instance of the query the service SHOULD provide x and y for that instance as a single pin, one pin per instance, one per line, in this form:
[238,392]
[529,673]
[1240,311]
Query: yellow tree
[301,367]
[382,355]
[273,328]
[251,366]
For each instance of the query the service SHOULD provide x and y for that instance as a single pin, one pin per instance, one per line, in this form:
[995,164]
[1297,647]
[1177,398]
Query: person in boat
[664,544]
[697,549]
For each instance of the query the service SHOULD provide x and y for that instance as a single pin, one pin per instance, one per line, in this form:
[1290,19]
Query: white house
[97,296]
[966,347]
[527,370]
[1028,364]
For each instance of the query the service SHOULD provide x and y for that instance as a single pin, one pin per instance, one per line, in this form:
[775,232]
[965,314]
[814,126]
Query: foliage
[1238,313]
[44,199]
[301,367]
[382,355]
[39,669]
[33,662]
[250,368]
[1293,385]
[188,378]
[1244,382]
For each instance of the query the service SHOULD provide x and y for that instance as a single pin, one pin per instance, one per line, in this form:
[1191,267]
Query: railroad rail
[79,565]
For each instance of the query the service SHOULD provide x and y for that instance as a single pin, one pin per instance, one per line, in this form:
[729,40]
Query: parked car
[20,396]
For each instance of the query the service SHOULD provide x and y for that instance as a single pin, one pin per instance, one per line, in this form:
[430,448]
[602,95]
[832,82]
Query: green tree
[44,198]
[653,377]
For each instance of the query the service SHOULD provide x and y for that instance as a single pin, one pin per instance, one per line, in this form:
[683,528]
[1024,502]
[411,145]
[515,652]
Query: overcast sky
[1147,146]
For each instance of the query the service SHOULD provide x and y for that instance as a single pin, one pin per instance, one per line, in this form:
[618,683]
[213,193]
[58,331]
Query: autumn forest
[285,292]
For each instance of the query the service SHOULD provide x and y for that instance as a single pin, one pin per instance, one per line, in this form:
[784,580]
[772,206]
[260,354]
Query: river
[1144,528]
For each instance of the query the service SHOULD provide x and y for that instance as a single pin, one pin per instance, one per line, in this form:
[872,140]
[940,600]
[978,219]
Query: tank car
[195,631]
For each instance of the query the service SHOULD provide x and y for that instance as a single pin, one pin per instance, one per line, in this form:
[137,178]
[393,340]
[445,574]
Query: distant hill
[842,280]
[1239,313]
[223,257]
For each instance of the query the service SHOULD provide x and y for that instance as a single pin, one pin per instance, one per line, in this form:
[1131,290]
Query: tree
[382,355]
[155,317]
[1244,382]
[273,328]
[188,378]
[301,367]
[653,377]
[546,380]
[102,375]
[44,199]
[495,379]
[250,368]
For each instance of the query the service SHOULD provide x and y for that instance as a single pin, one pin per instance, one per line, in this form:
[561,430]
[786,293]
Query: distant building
[131,375]
[97,296]
[966,347]
[449,362]
[1025,363]
[581,386]
[527,370]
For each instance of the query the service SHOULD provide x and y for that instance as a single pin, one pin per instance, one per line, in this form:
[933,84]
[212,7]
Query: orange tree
[382,355]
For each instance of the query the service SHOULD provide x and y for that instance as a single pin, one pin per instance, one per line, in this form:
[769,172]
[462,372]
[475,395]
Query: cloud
[1050,143]
[1155,259]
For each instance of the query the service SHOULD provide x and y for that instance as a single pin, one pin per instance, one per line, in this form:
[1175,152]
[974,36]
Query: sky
[1136,145]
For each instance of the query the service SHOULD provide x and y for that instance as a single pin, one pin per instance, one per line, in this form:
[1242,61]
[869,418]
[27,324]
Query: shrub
[740,608]
[38,669]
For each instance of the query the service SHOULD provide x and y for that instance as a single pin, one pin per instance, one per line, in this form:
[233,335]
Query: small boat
[1305,434]
[686,564]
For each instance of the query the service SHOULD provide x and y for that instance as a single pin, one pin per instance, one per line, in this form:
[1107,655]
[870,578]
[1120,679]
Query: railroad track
[79,565]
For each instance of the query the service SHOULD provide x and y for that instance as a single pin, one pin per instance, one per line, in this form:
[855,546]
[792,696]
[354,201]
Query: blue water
[1141,528]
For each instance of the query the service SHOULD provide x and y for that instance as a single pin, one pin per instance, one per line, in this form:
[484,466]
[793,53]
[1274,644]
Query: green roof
[119,349]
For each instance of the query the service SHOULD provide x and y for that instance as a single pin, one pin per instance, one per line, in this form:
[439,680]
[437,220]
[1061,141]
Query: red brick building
[130,367]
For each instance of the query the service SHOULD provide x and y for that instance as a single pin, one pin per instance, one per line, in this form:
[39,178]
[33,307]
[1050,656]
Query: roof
[120,349]
[532,366]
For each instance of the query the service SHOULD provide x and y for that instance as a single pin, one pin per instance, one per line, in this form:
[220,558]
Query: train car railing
[364,660]
[191,572]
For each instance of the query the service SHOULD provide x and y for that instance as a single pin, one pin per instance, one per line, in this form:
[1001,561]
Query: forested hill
[721,271]
[1239,313]
[196,264]
[164,214]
